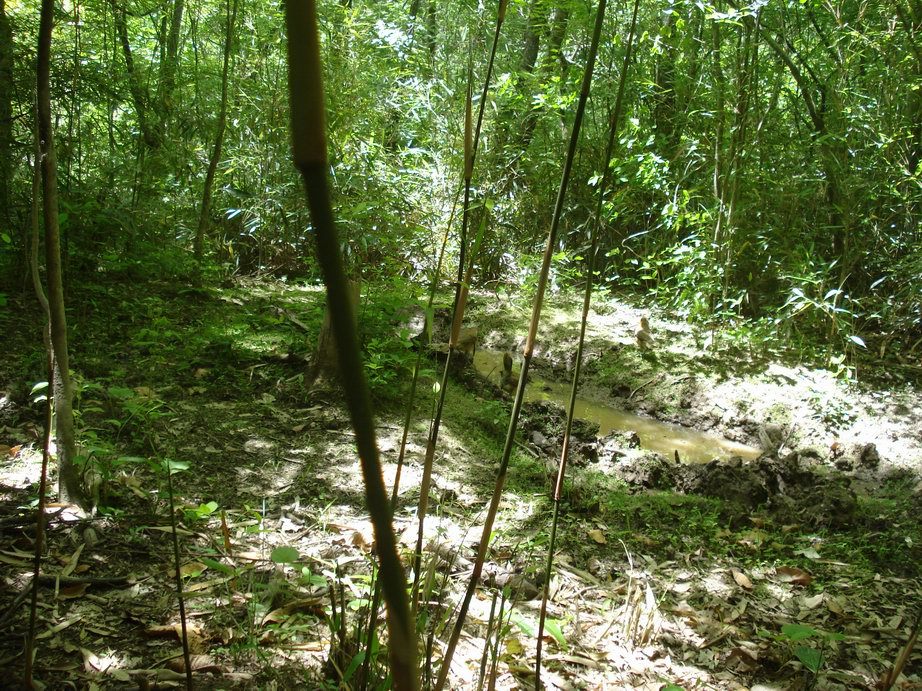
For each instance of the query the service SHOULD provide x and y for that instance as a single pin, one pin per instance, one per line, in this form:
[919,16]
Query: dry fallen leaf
[742,580]
[813,602]
[597,536]
[75,590]
[310,605]
[793,575]
[199,663]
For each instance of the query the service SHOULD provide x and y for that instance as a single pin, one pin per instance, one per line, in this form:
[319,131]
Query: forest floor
[798,568]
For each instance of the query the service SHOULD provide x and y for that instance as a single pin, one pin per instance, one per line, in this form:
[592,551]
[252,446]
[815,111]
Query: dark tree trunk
[556,27]
[170,66]
[219,137]
[151,134]
[664,82]
[69,482]
[532,39]
[6,114]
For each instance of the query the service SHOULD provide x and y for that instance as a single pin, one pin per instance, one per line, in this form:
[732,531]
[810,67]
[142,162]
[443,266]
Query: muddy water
[662,437]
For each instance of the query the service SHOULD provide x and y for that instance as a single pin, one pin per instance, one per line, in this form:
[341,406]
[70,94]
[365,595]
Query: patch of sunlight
[717,582]
[107,662]
[518,507]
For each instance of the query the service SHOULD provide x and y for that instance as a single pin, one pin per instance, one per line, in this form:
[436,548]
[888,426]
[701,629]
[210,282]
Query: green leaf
[525,626]
[218,566]
[354,665]
[39,386]
[811,657]
[857,340]
[798,632]
[553,628]
[206,509]
[285,555]
[174,467]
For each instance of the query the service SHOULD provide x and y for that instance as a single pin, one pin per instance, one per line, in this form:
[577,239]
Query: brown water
[662,437]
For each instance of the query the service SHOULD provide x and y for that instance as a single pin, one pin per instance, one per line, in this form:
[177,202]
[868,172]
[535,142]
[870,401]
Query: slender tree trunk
[69,482]
[151,135]
[746,48]
[73,149]
[531,41]
[833,155]
[6,114]
[219,138]
[170,66]
[665,110]
[557,30]
[432,32]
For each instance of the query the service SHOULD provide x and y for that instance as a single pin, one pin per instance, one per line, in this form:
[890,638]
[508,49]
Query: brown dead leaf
[298,428]
[742,580]
[597,536]
[73,591]
[193,568]
[793,575]
[813,602]
[834,606]
[742,658]
[310,605]
[199,663]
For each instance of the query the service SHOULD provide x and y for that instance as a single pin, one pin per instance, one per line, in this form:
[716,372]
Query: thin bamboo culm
[527,355]
[470,152]
[310,157]
[587,299]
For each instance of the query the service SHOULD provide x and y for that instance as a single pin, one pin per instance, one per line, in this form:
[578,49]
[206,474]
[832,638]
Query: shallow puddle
[662,437]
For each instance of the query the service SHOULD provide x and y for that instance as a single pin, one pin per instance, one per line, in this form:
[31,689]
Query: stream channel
[662,437]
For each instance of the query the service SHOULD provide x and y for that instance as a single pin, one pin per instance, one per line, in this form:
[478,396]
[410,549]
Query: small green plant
[811,657]
[200,512]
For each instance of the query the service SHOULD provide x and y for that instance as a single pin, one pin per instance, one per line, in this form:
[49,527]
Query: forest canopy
[767,163]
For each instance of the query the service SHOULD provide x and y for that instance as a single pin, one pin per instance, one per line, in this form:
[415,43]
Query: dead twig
[643,386]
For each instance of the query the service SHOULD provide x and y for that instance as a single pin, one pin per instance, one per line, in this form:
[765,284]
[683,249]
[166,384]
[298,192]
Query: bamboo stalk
[587,299]
[528,352]
[309,151]
[461,290]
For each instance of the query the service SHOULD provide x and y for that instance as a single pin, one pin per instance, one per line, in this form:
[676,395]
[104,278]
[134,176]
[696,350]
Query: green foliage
[200,512]
[285,555]
[812,658]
